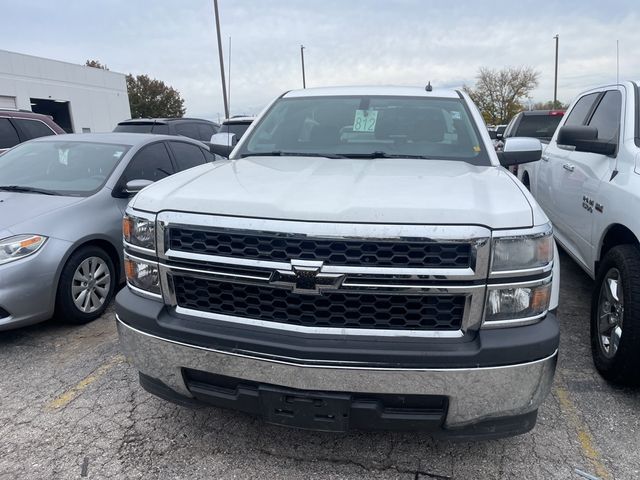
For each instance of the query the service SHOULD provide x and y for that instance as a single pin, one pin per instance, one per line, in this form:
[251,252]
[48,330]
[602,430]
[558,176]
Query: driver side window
[150,163]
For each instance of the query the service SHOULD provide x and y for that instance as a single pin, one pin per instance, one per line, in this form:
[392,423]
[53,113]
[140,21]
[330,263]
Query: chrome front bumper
[475,394]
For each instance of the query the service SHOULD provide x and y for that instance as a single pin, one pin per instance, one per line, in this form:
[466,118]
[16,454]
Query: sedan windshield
[368,127]
[62,168]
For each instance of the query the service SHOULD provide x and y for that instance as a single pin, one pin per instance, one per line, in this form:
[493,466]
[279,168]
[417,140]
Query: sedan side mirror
[519,150]
[585,139]
[134,186]
[493,135]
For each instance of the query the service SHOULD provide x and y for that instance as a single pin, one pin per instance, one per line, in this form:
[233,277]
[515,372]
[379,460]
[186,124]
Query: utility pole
[229,77]
[224,86]
[555,80]
[304,83]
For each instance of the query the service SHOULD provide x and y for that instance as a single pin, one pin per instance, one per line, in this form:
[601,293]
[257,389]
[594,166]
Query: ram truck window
[361,261]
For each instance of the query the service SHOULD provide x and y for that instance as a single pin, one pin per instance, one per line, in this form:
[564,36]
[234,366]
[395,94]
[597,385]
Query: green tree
[96,64]
[499,93]
[550,105]
[151,98]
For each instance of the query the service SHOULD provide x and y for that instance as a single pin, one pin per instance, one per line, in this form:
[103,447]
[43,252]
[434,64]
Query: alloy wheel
[91,284]
[610,313]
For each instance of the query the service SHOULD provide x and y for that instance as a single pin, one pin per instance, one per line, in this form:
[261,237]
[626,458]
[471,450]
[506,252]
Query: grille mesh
[333,252]
[333,309]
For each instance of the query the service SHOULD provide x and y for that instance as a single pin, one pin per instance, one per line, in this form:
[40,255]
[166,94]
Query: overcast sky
[347,42]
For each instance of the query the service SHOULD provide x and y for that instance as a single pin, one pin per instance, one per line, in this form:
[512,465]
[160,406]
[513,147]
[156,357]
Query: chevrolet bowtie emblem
[305,277]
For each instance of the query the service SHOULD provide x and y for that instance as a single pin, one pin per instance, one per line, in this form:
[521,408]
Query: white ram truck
[362,261]
[588,183]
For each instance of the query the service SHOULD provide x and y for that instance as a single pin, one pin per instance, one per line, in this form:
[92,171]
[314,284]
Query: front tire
[86,286]
[615,316]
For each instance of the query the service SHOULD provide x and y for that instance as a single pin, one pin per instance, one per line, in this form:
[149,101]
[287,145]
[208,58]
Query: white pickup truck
[362,261]
[588,183]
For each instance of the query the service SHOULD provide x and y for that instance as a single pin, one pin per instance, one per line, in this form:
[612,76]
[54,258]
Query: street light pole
[224,86]
[555,80]
[304,82]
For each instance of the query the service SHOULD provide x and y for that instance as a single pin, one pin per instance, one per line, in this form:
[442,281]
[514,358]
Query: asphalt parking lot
[71,407]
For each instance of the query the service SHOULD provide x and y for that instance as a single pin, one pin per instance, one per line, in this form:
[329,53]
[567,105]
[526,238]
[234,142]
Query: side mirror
[134,186]
[226,139]
[519,150]
[220,150]
[585,139]
[493,135]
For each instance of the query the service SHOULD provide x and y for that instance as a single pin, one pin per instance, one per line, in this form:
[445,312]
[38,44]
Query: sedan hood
[405,191]
[20,207]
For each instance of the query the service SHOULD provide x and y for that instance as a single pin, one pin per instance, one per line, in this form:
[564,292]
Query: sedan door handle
[569,167]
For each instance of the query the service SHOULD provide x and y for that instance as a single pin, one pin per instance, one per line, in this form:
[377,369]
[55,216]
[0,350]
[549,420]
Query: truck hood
[20,207]
[406,191]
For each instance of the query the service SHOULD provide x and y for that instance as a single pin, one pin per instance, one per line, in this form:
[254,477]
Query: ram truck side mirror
[517,150]
[134,186]
[585,139]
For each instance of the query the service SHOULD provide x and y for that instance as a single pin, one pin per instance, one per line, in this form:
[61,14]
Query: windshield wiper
[20,188]
[280,153]
[380,154]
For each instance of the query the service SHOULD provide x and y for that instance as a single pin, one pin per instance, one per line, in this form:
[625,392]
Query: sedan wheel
[86,285]
[91,284]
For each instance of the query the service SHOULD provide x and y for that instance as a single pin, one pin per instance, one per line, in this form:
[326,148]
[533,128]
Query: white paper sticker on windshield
[63,156]
[117,154]
[456,115]
[365,121]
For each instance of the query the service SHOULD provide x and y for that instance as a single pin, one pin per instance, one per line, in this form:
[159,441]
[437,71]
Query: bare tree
[499,93]
[96,64]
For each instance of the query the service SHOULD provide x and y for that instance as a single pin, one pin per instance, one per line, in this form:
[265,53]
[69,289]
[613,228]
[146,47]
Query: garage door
[7,102]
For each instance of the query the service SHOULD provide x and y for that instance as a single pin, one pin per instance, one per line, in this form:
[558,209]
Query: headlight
[522,252]
[20,246]
[139,231]
[142,275]
[515,304]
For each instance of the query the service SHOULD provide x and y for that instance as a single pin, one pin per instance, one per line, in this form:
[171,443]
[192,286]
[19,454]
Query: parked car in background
[588,182]
[196,128]
[17,126]
[540,124]
[363,261]
[231,131]
[61,204]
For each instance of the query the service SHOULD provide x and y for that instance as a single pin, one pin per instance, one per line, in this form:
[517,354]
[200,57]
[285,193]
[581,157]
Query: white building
[79,98]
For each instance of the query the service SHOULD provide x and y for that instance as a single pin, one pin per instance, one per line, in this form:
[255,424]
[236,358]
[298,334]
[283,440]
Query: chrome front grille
[332,309]
[309,277]
[279,247]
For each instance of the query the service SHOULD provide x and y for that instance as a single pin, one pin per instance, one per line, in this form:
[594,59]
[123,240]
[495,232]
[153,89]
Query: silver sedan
[61,205]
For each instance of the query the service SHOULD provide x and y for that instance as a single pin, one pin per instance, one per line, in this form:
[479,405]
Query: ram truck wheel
[615,316]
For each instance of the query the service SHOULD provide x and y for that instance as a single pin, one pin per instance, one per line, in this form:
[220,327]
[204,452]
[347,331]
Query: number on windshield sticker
[365,121]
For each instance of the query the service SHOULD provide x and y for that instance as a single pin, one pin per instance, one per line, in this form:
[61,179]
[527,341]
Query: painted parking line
[64,399]
[585,440]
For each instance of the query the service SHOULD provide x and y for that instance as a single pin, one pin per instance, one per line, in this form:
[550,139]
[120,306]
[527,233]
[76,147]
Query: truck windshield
[368,127]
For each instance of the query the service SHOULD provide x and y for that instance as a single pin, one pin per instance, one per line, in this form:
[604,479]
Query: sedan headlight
[143,276]
[20,246]
[522,252]
[139,231]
